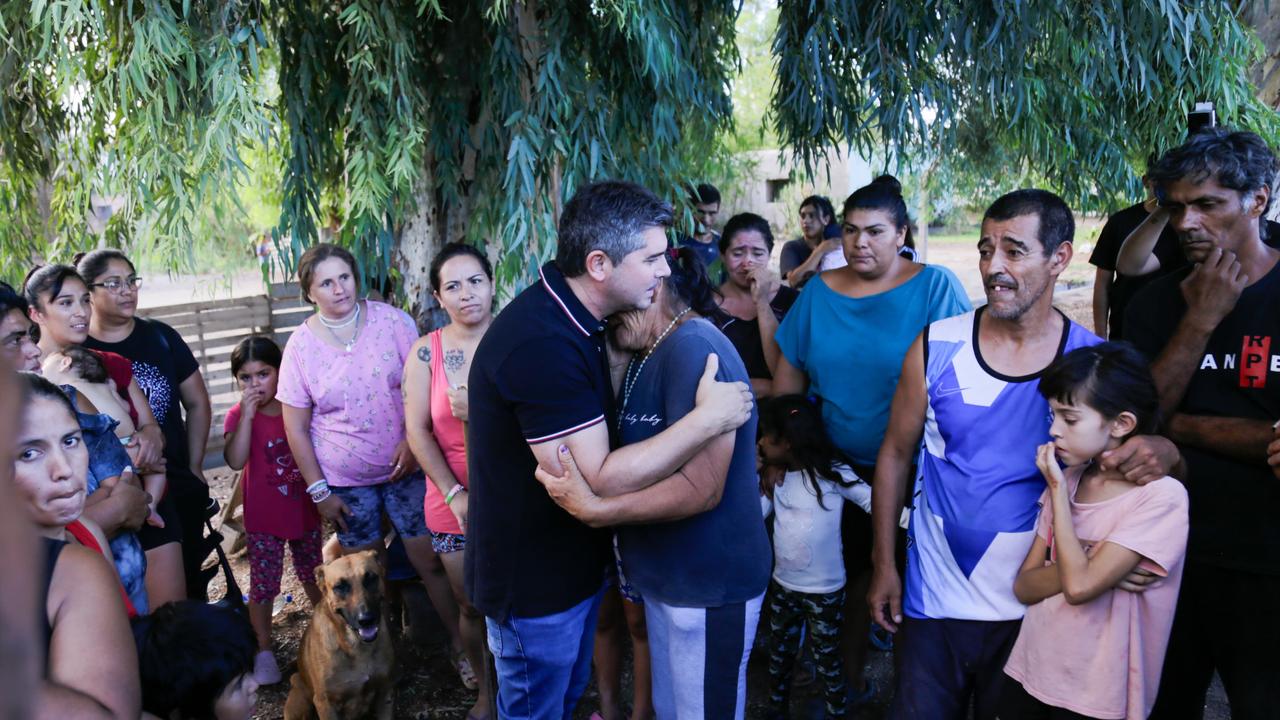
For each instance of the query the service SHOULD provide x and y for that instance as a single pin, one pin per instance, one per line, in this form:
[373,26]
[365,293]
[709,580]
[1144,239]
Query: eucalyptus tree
[1073,94]
[419,121]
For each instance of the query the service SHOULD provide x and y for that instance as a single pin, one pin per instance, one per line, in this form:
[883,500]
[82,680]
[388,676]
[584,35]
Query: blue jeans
[543,663]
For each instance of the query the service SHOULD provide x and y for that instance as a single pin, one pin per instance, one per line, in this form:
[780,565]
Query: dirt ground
[428,687]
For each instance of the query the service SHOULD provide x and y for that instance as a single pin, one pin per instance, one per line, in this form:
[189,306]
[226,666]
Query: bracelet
[453,492]
[319,491]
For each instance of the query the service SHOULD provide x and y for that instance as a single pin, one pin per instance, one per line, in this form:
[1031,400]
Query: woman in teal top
[844,340]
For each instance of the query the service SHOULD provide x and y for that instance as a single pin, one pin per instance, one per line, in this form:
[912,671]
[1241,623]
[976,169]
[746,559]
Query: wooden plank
[260,315]
[283,289]
[213,326]
[164,311]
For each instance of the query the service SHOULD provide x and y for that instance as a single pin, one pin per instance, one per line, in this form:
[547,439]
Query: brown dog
[344,662]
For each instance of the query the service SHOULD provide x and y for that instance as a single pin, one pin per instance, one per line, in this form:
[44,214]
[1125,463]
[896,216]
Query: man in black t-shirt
[540,380]
[1213,331]
[1112,289]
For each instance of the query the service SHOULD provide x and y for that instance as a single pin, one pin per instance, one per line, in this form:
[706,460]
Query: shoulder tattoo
[424,354]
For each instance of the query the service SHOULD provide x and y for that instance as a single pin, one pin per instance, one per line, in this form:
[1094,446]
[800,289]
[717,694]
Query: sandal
[465,673]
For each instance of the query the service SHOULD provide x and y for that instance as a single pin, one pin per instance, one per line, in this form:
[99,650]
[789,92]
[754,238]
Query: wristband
[319,491]
[453,492]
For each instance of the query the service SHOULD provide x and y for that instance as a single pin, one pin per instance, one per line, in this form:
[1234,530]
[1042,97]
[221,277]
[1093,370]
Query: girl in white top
[808,574]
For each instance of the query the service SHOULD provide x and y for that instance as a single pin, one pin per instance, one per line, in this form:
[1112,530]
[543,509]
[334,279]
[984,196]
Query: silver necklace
[355,318]
[629,380]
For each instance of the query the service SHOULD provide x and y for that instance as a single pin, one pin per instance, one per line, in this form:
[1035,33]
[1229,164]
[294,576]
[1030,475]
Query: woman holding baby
[58,302]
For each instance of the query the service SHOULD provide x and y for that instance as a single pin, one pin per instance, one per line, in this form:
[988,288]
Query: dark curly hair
[1236,159]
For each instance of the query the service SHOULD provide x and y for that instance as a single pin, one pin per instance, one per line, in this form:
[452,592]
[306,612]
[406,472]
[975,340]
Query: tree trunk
[420,240]
[922,211]
[1264,17]
[922,220]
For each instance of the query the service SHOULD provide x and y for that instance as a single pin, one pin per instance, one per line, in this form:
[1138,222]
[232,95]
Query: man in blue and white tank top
[969,388]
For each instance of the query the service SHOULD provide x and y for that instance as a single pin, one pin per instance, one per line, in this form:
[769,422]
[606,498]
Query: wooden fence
[213,329]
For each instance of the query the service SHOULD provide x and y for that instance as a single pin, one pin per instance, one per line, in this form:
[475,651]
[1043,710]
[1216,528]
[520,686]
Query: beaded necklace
[354,318]
[629,380]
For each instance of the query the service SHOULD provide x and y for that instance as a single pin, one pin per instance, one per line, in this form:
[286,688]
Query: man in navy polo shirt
[540,379]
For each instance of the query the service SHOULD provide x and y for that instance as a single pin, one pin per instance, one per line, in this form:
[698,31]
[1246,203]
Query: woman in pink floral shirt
[344,416]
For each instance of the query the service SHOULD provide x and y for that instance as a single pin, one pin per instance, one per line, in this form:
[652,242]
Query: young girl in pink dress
[277,510]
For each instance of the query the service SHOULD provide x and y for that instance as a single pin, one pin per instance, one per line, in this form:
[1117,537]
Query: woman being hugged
[340,389]
[276,507]
[1091,645]
[435,407]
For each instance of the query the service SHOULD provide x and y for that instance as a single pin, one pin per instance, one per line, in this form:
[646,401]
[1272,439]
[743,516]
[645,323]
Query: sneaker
[265,669]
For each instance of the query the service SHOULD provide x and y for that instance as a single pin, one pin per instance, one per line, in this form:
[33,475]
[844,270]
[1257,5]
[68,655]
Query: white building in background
[771,189]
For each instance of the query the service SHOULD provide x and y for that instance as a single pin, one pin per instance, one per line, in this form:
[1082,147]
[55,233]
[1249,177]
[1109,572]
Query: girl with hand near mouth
[1092,643]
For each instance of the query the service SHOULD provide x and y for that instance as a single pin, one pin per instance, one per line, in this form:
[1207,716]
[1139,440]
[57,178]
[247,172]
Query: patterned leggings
[266,562]
[789,611]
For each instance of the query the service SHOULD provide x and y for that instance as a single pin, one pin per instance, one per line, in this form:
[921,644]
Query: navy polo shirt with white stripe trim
[540,373]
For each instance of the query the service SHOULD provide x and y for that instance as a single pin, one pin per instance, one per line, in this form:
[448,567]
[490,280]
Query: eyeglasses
[116,285]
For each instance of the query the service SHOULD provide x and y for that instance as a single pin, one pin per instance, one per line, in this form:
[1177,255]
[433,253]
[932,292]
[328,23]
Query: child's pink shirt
[357,413]
[275,495]
[1103,658]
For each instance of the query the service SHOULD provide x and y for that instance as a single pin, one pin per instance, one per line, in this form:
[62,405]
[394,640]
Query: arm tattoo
[424,354]
[454,360]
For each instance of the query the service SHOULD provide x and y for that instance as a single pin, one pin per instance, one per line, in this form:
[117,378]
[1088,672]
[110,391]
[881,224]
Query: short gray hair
[608,216]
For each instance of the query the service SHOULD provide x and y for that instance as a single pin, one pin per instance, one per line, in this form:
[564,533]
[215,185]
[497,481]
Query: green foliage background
[203,116]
